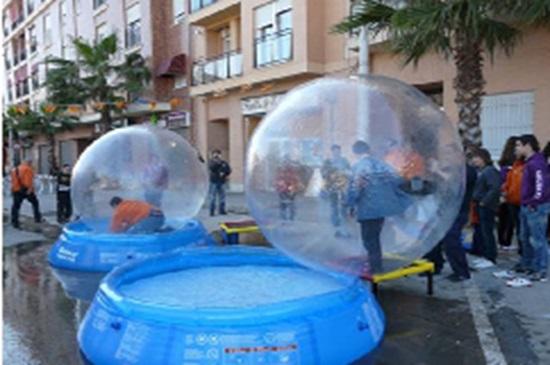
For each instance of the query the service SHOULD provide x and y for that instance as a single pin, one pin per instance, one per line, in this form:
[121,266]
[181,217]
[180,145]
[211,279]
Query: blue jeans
[337,207]
[150,224]
[533,231]
[370,233]
[217,191]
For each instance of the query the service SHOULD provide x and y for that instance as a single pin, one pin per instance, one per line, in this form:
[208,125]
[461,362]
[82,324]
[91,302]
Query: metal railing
[228,65]
[273,49]
[197,5]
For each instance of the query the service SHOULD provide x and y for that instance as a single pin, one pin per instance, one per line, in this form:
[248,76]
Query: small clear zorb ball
[355,176]
[140,163]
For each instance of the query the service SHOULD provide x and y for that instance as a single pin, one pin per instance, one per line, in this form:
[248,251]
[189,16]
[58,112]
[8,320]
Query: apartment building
[248,53]
[36,29]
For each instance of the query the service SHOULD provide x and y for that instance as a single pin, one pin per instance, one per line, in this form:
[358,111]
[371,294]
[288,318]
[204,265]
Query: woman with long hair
[507,212]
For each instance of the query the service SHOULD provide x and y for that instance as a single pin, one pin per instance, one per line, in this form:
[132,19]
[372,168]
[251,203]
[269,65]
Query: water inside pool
[230,287]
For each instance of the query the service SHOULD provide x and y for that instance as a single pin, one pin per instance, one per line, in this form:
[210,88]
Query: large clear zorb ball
[355,176]
[140,163]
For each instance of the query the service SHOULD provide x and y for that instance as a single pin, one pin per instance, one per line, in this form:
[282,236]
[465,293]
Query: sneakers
[504,274]
[538,276]
[481,263]
[519,283]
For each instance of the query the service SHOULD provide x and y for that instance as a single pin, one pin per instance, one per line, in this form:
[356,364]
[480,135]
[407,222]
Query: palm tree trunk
[469,85]
[51,154]
[106,120]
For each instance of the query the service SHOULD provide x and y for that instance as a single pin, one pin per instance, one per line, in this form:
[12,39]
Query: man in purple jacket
[535,207]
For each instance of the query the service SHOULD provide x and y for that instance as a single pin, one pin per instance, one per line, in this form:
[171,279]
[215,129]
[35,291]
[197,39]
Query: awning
[172,67]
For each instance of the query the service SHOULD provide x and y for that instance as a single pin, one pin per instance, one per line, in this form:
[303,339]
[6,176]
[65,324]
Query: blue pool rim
[80,249]
[109,300]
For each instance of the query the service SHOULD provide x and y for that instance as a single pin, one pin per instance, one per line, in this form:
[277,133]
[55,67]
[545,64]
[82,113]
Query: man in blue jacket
[535,207]
[374,194]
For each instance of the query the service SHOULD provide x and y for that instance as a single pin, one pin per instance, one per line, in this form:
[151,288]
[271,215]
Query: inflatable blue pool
[235,305]
[87,246]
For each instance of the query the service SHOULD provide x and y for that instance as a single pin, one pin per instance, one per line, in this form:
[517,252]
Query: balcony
[273,49]
[223,67]
[204,12]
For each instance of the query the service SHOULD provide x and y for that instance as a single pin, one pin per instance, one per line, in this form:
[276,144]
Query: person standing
[64,206]
[372,182]
[22,187]
[511,191]
[507,215]
[451,243]
[535,207]
[155,177]
[487,197]
[335,173]
[219,172]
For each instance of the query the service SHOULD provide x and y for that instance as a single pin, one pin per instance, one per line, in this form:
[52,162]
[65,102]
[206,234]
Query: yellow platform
[232,230]
[415,268]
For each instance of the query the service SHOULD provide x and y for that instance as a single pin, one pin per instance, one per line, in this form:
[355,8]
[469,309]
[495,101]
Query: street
[475,322]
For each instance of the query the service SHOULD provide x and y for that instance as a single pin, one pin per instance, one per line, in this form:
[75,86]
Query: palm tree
[96,78]
[48,121]
[464,30]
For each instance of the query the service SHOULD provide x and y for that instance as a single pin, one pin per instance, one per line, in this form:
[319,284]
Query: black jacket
[487,189]
[219,171]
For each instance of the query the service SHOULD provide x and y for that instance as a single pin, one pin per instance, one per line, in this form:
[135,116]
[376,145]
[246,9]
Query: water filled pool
[235,305]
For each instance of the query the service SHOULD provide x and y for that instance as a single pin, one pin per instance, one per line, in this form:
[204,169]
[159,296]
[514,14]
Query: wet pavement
[41,321]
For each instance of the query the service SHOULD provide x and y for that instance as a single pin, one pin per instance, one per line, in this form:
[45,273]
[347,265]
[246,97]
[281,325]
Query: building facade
[248,53]
[37,29]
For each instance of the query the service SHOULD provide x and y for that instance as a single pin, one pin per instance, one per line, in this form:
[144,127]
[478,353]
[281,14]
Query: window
[47,29]
[7,59]
[133,29]
[63,14]
[101,31]
[30,6]
[225,39]
[98,3]
[180,82]
[35,79]
[22,48]
[32,39]
[178,7]
[77,7]
[10,92]
[273,24]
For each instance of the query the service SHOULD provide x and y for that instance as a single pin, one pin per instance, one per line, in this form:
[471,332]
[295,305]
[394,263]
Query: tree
[464,30]
[96,78]
[48,121]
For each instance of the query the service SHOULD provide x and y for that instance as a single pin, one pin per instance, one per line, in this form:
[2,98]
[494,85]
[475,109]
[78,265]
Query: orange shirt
[408,164]
[26,178]
[128,213]
[512,185]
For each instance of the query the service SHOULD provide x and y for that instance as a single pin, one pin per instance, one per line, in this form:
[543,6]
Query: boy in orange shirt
[135,217]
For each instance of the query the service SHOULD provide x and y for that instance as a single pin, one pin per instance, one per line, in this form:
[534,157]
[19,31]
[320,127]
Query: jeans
[64,206]
[534,224]
[508,222]
[370,233]
[217,191]
[487,227]
[18,198]
[454,251]
[287,206]
[337,207]
[150,224]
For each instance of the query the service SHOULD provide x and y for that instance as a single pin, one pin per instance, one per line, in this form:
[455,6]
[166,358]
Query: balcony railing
[223,67]
[197,5]
[274,48]
[133,35]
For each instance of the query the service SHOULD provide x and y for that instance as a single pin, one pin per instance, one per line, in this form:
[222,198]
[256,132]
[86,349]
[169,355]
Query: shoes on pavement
[538,276]
[519,283]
